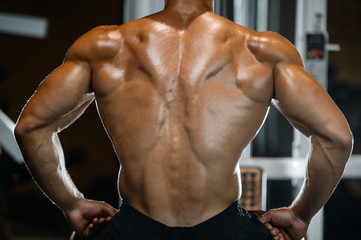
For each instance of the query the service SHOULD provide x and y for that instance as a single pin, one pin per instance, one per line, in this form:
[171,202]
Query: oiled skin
[181,93]
[193,115]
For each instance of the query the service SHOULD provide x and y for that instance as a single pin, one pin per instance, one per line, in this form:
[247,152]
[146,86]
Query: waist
[204,230]
[179,197]
[187,205]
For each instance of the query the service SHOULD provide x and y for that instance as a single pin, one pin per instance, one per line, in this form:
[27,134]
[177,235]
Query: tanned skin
[181,94]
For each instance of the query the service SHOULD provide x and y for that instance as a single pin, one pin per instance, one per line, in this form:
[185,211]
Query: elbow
[30,129]
[336,143]
[343,141]
[346,141]
[26,129]
[22,130]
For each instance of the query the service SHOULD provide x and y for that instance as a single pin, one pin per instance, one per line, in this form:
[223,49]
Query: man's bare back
[180,110]
[181,95]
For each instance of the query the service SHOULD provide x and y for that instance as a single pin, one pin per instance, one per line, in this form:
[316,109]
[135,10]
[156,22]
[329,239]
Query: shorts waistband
[211,227]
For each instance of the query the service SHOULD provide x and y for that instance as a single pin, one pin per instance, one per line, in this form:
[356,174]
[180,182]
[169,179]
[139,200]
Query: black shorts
[234,223]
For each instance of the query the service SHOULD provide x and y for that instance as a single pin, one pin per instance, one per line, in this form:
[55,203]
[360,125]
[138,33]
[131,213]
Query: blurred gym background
[35,35]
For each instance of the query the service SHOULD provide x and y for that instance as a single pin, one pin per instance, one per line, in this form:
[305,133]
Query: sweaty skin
[181,93]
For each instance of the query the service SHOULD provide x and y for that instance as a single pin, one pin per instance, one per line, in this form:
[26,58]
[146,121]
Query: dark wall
[28,60]
[287,19]
[344,26]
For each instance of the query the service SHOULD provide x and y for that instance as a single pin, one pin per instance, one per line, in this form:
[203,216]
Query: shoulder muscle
[272,49]
[99,43]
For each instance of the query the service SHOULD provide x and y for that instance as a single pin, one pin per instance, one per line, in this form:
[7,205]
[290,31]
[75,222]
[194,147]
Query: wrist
[300,214]
[72,203]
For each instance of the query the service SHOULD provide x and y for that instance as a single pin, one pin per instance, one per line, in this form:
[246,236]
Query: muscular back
[180,102]
[181,93]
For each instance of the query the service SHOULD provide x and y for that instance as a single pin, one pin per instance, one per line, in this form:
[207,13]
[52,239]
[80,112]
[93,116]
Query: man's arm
[309,108]
[61,98]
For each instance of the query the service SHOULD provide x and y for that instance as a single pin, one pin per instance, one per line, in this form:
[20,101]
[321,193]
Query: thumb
[266,218]
[108,210]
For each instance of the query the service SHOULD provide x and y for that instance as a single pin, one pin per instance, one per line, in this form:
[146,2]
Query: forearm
[44,158]
[326,164]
